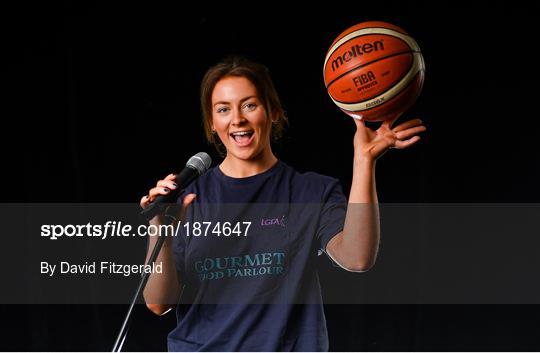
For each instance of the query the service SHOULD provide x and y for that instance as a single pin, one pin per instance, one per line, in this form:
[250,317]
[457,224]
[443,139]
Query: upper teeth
[240,133]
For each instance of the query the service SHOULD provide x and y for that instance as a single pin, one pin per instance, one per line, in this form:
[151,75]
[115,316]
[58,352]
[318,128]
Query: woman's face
[239,118]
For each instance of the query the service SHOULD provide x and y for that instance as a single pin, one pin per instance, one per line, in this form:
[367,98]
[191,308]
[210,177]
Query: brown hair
[259,76]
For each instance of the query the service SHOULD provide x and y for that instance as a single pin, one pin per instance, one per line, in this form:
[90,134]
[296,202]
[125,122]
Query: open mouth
[242,138]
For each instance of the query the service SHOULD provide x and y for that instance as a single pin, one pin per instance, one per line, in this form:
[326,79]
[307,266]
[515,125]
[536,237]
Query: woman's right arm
[162,289]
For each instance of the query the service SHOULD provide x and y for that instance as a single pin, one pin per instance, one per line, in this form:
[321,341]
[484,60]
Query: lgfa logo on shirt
[273,221]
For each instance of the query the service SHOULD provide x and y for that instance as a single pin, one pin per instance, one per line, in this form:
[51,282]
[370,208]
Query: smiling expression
[239,118]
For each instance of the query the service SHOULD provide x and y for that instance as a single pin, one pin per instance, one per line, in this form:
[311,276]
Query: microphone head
[200,162]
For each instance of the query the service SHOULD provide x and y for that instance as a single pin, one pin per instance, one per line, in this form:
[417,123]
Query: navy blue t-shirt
[246,257]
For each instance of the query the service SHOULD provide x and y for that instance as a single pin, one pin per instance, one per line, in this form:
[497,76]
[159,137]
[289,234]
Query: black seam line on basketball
[363,35]
[367,34]
[394,97]
[391,29]
[368,63]
[386,90]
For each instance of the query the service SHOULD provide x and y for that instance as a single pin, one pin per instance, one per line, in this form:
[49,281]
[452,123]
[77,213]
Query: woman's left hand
[370,145]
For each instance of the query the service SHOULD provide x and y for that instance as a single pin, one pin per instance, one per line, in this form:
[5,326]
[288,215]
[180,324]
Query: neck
[240,168]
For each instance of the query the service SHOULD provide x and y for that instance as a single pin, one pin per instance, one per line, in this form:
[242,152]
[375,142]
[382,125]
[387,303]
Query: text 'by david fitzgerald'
[94,268]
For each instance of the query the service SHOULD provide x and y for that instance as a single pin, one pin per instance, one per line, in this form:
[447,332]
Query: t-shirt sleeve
[332,216]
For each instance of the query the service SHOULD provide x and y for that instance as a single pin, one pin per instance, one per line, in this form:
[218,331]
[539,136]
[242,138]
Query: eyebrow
[241,101]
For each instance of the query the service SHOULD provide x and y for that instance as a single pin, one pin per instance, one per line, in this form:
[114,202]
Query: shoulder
[314,185]
[310,178]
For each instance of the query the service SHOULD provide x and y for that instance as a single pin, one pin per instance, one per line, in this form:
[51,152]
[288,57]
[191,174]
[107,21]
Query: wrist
[365,161]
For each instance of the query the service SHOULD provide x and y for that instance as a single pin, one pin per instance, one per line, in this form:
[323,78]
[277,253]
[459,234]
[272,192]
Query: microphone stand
[155,252]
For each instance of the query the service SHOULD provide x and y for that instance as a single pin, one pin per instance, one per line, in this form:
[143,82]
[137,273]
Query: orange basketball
[373,71]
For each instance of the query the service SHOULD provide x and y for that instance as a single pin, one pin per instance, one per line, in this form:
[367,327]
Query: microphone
[195,166]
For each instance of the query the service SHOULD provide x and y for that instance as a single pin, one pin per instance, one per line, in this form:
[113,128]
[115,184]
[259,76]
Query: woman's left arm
[355,248]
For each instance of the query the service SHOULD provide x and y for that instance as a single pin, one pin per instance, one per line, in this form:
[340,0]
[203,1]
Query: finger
[167,184]
[359,123]
[188,199]
[144,201]
[407,124]
[157,191]
[407,143]
[405,134]
[170,177]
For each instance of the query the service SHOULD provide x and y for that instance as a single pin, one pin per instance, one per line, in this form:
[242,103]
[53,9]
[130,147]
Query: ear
[274,118]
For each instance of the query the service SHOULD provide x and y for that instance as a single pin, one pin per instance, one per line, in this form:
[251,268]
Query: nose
[238,118]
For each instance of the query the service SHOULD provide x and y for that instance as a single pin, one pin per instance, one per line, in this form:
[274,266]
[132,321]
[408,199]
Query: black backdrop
[101,100]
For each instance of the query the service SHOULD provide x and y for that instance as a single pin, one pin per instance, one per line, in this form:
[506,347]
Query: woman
[260,291]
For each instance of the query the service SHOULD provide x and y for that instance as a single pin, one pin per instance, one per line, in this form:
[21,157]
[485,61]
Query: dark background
[101,100]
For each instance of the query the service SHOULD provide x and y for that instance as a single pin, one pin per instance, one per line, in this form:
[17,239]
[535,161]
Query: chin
[244,154]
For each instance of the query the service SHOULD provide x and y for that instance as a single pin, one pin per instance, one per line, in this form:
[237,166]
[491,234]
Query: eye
[221,110]
[250,106]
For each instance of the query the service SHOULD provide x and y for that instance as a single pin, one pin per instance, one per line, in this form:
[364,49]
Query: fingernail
[175,186]
[166,189]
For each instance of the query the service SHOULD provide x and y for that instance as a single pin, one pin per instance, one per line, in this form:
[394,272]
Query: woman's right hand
[164,187]
[163,289]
